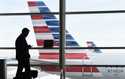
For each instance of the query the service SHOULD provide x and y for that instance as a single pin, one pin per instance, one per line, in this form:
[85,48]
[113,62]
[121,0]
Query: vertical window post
[62,38]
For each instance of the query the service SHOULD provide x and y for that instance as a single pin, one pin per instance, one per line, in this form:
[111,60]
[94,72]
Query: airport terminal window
[103,29]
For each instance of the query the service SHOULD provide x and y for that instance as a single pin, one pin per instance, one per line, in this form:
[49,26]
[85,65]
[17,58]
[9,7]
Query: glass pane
[11,27]
[24,6]
[45,61]
[102,29]
[77,58]
[90,5]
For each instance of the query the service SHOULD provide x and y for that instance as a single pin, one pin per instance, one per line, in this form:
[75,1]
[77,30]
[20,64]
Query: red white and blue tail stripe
[46,27]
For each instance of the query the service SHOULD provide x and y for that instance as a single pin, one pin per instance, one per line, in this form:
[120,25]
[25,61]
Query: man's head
[25,32]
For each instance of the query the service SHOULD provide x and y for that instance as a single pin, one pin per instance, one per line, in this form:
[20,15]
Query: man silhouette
[22,54]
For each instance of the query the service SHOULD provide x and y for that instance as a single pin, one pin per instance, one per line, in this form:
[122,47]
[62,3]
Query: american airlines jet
[46,27]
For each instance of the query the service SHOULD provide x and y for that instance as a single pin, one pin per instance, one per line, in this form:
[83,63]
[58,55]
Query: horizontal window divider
[119,47]
[68,12]
[93,65]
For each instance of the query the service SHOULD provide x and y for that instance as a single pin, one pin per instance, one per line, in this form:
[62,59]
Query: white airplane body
[46,27]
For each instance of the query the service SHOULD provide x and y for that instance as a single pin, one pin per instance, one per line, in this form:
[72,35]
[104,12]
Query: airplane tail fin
[92,44]
[46,26]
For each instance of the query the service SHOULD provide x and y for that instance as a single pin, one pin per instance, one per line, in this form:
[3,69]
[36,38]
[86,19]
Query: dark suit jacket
[22,48]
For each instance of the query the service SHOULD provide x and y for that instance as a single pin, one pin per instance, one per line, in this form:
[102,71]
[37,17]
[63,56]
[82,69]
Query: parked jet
[46,27]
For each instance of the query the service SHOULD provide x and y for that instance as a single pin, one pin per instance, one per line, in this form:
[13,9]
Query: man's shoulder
[20,37]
